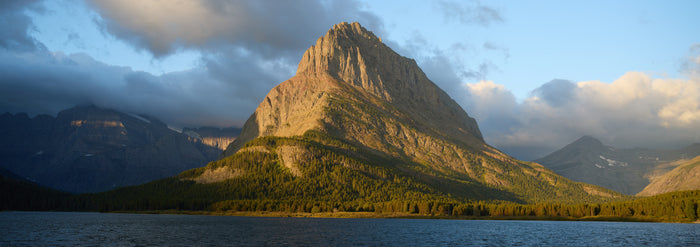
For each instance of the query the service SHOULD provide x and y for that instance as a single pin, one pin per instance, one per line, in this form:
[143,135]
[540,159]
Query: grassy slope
[333,174]
[683,177]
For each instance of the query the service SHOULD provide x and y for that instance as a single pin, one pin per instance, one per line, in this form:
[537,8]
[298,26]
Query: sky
[536,75]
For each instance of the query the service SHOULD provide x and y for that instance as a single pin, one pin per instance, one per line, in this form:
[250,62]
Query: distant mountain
[218,138]
[685,176]
[625,170]
[89,149]
[358,125]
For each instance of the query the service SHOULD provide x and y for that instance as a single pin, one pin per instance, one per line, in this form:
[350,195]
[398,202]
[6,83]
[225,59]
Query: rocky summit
[351,62]
[355,105]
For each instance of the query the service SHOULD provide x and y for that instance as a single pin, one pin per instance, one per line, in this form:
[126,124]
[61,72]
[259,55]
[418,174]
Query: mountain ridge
[685,176]
[625,170]
[351,88]
[339,61]
[91,149]
[317,141]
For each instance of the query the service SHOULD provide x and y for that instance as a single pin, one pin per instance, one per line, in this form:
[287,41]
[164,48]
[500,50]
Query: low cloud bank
[636,110]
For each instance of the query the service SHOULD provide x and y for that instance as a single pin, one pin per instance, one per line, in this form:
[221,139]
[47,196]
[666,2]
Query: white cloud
[635,110]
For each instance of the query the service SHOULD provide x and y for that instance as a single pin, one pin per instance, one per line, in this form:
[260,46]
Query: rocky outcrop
[355,56]
[350,58]
[351,87]
[213,137]
[217,175]
[685,176]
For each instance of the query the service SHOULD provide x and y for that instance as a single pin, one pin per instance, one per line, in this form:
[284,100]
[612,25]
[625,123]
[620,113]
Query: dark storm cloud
[247,48]
[556,92]
[15,25]
[40,83]
[267,28]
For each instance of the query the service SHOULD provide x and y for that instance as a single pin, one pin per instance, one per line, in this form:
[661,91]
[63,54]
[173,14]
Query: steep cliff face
[355,56]
[350,62]
[214,137]
[358,99]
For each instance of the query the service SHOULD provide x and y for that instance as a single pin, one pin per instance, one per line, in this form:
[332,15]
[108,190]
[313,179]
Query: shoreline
[374,215]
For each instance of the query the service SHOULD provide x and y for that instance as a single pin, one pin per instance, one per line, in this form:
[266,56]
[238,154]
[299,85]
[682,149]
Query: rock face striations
[350,62]
[213,137]
[356,98]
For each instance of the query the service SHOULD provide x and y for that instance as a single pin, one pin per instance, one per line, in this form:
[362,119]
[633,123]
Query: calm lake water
[95,229]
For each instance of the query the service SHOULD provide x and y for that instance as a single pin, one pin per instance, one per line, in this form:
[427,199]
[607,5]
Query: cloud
[691,65]
[269,28]
[49,82]
[468,12]
[636,110]
[246,47]
[447,67]
[493,47]
[15,25]
[555,92]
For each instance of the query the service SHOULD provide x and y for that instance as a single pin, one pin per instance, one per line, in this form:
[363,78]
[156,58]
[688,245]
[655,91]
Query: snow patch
[599,166]
[193,134]
[612,162]
[649,158]
[139,117]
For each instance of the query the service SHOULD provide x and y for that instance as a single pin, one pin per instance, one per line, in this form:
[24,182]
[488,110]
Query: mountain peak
[587,145]
[587,141]
[356,105]
[354,30]
[351,53]
[350,62]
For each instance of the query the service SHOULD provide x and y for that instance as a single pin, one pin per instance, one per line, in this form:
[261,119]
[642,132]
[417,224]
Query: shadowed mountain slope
[625,170]
[89,149]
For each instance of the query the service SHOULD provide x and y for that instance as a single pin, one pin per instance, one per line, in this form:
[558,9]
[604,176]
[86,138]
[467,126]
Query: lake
[97,229]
